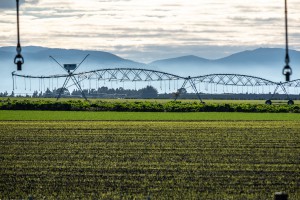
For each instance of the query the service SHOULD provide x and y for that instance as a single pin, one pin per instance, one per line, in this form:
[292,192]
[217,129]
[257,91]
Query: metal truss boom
[233,79]
[139,74]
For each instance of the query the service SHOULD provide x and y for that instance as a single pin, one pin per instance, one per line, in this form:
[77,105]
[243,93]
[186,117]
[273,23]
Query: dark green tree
[48,93]
[12,94]
[35,94]
[148,92]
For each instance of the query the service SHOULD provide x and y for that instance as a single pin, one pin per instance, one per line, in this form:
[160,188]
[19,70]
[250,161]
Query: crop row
[142,106]
[160,160]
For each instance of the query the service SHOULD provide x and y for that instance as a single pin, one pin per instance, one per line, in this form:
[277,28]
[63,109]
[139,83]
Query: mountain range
[259,62]
[263,62]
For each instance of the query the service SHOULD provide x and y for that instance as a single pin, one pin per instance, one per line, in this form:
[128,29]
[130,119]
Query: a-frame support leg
[286,93]
[62,88]
[195,89]
[280,85]
[75,81]
[179,91]
[79,87]
[192,83]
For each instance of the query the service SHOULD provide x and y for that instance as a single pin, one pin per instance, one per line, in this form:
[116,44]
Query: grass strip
[7,115]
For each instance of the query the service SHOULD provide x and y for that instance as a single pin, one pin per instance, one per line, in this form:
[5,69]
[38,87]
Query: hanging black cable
[287,70]
[19,60]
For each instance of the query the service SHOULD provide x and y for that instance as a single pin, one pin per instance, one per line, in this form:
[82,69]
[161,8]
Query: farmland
[159,159]
[25,115]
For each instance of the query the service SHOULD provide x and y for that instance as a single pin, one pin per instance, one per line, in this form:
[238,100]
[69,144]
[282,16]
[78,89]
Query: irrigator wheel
[290,102]
[268,102]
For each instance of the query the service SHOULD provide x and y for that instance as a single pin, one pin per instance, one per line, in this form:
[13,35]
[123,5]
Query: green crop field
[13,115]
[151,159]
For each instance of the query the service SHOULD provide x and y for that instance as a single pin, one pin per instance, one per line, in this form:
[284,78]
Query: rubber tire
[268,102]
[290,102]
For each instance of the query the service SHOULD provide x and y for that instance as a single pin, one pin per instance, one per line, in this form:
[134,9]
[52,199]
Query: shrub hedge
[145,106]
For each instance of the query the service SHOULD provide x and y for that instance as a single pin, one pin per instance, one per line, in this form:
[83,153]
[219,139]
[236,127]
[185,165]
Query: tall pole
[287,57]
[19,60]
[287,70]
[18,28]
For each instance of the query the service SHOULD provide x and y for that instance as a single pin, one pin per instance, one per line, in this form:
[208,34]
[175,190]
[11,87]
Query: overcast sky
[147,30]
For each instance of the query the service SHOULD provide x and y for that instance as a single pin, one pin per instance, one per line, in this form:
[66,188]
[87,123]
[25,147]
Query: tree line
[101,92]
[148,92]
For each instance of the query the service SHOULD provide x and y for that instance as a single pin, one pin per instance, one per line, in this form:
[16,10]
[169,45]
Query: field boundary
[143,106]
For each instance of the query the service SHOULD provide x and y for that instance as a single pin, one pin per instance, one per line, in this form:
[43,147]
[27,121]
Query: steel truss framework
[138,74]
[128,74]
[234,79]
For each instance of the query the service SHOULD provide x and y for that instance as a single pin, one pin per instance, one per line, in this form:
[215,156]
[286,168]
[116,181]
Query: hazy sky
[146,30]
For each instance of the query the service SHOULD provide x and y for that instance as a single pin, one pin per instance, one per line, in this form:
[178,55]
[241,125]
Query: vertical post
[281,196]
[13,78]
[287,70]
[18,26]
[19,60]
[286,35]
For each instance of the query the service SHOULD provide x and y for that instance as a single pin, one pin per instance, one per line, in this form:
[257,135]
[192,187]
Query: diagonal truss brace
[280,85]
[192,83]
[72,77]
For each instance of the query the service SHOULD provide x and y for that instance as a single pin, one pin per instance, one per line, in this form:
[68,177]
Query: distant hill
[37,59]
[261,56]
[185,65]
[263,62]
[269,57]
[181,60]
[37,62]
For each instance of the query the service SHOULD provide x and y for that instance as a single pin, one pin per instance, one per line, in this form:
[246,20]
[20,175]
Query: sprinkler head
[287,72]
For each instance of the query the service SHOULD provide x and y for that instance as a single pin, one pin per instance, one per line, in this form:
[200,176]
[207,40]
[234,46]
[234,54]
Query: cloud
[144,29]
